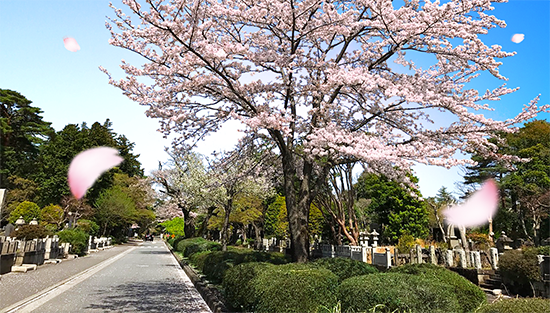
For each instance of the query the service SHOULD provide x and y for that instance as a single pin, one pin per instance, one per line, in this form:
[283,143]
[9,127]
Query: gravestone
[10,228]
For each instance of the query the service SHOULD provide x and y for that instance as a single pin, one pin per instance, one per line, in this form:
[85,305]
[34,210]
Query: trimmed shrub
[469,295]
[396,292]
[197,259]
[238,284]
[518,268]
[294,287]
[218,262]
[31,232]
[519,305]
[77,238]
[345,268]
[193,245]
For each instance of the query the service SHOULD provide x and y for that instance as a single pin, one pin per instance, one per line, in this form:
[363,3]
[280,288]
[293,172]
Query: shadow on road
[146,297]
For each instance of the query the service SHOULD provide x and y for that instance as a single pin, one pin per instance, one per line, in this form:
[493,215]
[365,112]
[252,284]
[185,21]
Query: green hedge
[197,259]
[217,263]
[294,287]
[519,305]
[77,238]
[396,292]
[193,245]
[469,295]
[345,268]
[238,285]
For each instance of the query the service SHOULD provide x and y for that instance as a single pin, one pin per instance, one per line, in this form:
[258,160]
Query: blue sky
[69,88]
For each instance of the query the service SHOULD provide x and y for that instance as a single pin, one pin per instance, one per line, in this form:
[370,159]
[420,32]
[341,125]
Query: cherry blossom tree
[182,188]
[323,79]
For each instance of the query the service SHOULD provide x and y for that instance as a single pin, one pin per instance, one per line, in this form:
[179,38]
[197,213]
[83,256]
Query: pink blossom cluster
[326,79]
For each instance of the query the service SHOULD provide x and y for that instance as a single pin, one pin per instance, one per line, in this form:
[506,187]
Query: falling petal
[517,38]
[478,209]
[87,166]
[71,44]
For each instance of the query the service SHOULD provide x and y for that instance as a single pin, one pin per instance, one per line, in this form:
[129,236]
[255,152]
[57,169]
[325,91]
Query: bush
[406,243]
[294,287]
[88,226]
[469,295]
[30,232]
[345,268]
[518,268]
[238,284]
[77,238]
[197,259]
[396,292]
[28,210]
[519,305]
[218,262]
[193,245]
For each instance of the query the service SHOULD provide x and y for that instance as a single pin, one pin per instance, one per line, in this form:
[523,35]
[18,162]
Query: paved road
[140,278]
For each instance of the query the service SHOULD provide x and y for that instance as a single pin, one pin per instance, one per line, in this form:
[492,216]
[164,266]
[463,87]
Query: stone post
[364,254]
[48,248]
[433,259]
[370,257]
[411,256]
[477,260]
[388,258]
[494,258]
[418,254]
[332,251]
[462,258]
[90,243]
[449,258]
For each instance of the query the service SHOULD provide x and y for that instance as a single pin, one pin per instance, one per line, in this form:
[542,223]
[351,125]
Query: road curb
[211,295]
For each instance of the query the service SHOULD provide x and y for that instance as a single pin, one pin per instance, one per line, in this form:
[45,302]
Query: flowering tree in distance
[328,81]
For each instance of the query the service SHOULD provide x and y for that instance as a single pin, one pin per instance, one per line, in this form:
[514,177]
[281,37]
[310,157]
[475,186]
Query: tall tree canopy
[325,86]
[57,153]
[22,130]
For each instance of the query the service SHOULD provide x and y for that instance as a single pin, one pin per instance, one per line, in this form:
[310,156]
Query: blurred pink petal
[517,38]
[87,166]
[71,44]
[478,209]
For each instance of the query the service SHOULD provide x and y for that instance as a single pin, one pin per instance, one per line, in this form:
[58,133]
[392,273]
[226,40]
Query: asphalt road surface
[140,278]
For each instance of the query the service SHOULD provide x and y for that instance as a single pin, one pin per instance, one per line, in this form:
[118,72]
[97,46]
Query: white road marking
[35,301]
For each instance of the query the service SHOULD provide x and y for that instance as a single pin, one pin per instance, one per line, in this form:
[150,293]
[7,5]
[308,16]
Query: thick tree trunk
[297,205]
[258,239]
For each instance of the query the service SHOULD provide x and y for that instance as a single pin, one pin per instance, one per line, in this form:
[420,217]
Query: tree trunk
[258,239]
[297,209]
[226,224]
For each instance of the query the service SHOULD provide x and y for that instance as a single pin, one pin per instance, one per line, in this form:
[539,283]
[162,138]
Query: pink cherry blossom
[478,209]
[517,38]
[71,44]
[87,166]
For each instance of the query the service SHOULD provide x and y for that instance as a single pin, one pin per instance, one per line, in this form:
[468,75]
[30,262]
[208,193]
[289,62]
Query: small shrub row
[193,245]
[263,287]
[469,295]
[519,305]
[345,268]
[215,264]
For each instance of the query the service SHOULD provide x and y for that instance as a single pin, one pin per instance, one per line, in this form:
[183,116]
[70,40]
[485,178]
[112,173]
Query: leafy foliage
[22,130]
[345,268]
[30,232]
[174,226]
[88,226]
[52,214]
[193,245]
[393,206]
[518,268]
[519,305]
[77,238]
[469,296]
[397,292]
[114,212]
[238,284]
[294,287]
[28,210]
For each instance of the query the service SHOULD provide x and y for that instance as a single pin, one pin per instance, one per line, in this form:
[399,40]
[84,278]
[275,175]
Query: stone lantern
[374,235]
[33,222]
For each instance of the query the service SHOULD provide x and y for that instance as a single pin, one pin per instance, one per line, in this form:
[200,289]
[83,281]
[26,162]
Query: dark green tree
[22,131]
[393,207]
[58,152]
